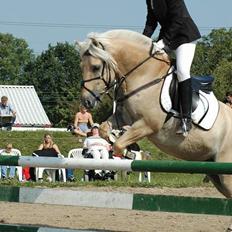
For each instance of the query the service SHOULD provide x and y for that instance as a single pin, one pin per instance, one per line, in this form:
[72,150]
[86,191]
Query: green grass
[27,142]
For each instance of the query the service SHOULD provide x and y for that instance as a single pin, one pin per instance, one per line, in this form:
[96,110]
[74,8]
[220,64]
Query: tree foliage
[223,79]
[14,56]
[56,76]
[214,57]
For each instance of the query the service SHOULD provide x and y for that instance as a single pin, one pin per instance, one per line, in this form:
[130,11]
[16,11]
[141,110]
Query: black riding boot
[185,96]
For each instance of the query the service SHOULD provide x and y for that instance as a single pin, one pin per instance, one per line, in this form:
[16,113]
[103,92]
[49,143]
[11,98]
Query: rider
[178,33]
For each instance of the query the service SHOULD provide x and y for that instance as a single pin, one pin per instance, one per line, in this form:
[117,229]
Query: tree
[223,79]
[56,76]
[14,56]
[211,50]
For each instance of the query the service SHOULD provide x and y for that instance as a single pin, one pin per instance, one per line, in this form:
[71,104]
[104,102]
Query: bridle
[108,84]
[117,83]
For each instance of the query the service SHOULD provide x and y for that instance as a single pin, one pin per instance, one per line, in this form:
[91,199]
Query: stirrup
[185,126]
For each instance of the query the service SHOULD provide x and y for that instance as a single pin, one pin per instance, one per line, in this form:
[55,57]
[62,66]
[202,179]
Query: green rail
[182,167]
[183,204]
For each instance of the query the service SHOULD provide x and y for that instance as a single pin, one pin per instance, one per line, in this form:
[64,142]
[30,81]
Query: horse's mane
[95,43]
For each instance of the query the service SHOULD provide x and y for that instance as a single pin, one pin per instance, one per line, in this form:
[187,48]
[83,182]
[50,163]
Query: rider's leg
[184,58]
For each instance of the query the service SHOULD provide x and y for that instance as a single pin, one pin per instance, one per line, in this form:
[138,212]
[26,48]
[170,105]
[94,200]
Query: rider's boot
[185,96]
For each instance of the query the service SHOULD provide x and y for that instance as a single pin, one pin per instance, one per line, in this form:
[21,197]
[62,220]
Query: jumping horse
[122,61]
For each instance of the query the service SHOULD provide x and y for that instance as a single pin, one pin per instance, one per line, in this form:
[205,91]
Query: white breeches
[99,154]
[184,57]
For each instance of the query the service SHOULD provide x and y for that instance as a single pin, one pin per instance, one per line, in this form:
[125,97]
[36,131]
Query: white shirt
[96,142]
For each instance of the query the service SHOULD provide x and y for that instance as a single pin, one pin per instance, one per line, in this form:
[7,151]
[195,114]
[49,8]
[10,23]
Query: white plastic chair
[76,153]
[39,171]
[19,169]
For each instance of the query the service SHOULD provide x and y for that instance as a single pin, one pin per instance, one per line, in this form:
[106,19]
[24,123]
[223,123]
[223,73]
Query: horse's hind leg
[223,184]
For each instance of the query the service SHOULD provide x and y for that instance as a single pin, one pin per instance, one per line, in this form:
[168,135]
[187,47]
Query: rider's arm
[151,22]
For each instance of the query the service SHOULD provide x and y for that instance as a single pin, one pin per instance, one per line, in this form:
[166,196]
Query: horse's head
[98,69]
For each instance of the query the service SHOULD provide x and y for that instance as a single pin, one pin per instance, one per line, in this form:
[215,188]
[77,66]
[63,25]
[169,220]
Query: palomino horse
[121,60]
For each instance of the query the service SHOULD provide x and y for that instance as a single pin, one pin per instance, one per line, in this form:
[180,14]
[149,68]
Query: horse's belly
[184,148]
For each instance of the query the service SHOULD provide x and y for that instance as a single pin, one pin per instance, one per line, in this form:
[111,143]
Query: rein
[154,82]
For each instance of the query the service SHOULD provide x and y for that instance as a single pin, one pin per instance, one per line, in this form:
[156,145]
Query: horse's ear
[95,42]
[78,45]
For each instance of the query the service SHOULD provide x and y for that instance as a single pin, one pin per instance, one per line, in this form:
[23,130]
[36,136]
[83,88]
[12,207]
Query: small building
[29,110]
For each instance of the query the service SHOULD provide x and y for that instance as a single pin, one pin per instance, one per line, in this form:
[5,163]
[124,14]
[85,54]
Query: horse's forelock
[95,46]
[99,44]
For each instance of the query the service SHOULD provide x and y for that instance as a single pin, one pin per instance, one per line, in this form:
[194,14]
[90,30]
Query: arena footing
[24,228]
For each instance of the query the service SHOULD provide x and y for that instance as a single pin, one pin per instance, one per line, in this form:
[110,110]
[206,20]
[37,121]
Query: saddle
[205,106]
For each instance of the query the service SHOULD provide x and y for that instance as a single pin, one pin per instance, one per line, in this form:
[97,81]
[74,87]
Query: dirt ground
[115,219]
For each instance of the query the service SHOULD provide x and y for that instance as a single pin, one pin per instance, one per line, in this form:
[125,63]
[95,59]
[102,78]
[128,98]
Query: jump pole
[196,205]
[124,165]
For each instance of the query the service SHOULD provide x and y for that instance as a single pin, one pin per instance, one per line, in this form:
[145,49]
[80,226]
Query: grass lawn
[27,142]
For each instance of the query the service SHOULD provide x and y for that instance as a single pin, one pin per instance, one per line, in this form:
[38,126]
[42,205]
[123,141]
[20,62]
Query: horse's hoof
[229,229]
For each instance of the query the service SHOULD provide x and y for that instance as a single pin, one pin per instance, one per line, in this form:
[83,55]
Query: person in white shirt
[97,146]
[7,109]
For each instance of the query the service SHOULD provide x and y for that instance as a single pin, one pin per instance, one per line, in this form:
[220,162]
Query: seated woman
[82,119]
[47,149]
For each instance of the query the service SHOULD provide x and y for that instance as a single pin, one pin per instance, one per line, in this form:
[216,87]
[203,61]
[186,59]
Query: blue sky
[41,22]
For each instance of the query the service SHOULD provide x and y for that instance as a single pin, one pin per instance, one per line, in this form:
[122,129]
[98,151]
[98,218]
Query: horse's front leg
[137,131]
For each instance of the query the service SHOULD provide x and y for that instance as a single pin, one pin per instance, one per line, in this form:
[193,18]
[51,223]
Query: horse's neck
[128,55]
[143,71]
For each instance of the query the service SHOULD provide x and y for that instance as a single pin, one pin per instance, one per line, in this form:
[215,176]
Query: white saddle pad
[207,109]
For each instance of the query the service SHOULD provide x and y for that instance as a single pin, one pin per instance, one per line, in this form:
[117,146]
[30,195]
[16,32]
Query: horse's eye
[96,68]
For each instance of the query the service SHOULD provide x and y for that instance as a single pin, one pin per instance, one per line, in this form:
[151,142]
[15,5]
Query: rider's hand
[159,47]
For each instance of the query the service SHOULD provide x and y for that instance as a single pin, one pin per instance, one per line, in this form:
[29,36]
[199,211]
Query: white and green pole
[124,165]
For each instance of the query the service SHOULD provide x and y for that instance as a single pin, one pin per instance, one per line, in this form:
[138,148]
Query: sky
[44,22]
